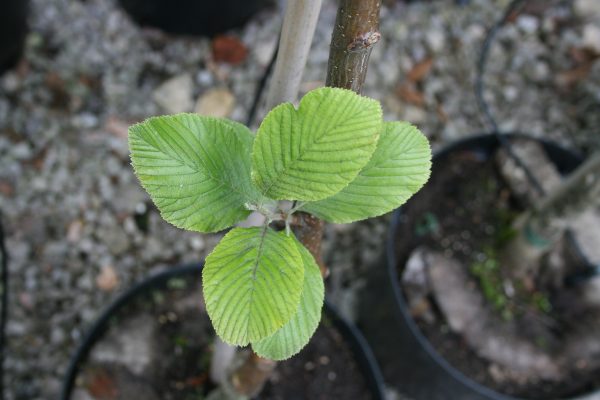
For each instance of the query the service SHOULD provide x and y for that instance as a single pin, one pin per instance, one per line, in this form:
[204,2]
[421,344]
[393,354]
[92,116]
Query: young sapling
[333,157]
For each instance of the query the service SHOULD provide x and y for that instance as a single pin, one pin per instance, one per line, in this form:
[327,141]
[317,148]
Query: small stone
[475,32]
[58,336]
[21,151]
[10,82]
[204,78]
[587,8]
[528,23]
[541,72]
[436,39]
[26,301]
[85,121]
[217,102]
[414,115]
[197,243]
[74,231]
[117,240]
[591,37]
[175,95]
[511,93]
[496,372]
[415,273]
[107,280]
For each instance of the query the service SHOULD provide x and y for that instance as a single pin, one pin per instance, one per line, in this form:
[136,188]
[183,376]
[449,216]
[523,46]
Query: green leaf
[294,335]
[195,168]
[252,284]
[399,167]
[315,151]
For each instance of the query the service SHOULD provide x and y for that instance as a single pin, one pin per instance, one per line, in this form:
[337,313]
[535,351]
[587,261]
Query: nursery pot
[13,29]
[162,286]
[408,360]
[193,17]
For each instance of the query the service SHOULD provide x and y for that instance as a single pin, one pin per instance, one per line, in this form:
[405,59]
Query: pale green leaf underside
[252,284]
[315,151]
[294,335]
[399,167]
[195,168]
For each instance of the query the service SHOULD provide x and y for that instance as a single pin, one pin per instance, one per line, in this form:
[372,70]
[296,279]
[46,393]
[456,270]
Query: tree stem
[356,31]
[297,32]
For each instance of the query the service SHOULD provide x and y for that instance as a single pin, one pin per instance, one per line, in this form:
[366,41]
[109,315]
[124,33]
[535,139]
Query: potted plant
[487,293]
[174,342]
[331,158]
[445,285]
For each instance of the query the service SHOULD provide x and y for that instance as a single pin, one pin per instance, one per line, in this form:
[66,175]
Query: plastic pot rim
[401,310]
[359,347]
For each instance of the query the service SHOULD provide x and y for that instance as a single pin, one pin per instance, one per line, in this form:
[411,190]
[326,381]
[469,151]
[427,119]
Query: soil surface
[159,346]
[464,213]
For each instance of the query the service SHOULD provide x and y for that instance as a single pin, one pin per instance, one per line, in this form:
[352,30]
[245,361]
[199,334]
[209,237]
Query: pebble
[217,102]
[587,8]
[436,39]
[85,121]
[108,279]
[528,23]
[175,94]
[414,115]
[591,37]
[204,78]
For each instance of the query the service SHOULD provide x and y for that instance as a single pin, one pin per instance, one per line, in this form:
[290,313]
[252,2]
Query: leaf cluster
[333,157]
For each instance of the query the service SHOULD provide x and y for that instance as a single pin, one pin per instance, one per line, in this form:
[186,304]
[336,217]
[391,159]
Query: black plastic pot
[193,17]
[359,346]
[408,360]
[13,29]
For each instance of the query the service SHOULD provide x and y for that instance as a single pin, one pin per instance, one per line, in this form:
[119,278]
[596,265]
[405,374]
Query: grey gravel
[73,206]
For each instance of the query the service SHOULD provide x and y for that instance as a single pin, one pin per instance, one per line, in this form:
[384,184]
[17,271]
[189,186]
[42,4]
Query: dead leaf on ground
[410,94]
[582,55]
[584,59]
[229,49]
[420,70]
[102,386]
[442,115]
[569,78]
[6,188]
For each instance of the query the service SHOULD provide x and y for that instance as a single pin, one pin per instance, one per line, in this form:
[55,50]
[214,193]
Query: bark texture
[356,31]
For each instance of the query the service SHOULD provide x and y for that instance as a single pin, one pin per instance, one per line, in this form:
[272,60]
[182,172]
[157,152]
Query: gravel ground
[80,228]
